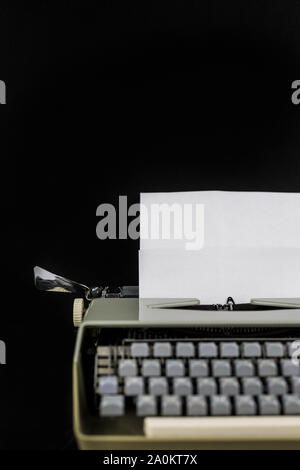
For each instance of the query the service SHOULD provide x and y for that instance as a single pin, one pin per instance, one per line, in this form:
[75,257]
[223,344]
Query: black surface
[107,99]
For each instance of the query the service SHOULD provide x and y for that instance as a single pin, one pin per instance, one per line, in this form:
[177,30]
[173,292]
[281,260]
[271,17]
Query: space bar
[223,428]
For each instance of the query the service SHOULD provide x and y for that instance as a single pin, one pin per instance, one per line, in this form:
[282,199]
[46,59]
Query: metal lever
[230,303]
[47,281]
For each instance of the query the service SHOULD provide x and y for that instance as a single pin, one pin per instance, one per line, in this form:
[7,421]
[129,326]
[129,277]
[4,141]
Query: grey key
[182,386]
[151,367]
[171,405]
[229,349]
[139,350]
[112,405]
[268,405]
[174,368]
[146,405]
[245,405]
[220,406]
[243,368]
[162,349]
[266,367]
[291,404]
[206,386]
[295,383]
[158,386]
[208,349]
[294,347]
[127,368]
[290,348]
[289,368]
[252,386]
[185,349]
[198,368]
[108,385]
[274,349]
[196,406]
[133,386]
[221,368]
[229,386]
[251,349]
[276,386]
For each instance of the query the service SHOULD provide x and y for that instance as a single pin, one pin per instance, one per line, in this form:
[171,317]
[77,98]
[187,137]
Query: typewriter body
[176,374]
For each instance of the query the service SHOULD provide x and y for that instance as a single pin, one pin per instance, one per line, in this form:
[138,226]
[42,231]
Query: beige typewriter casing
[255,432]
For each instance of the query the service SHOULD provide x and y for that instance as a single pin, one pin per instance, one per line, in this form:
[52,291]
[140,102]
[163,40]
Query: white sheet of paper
[232,218]
[251,249]
[213,274]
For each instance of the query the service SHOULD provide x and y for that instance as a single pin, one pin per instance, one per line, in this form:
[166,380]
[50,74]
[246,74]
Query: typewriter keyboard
[195,377]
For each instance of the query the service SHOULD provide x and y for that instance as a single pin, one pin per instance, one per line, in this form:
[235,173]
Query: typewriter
[176,374]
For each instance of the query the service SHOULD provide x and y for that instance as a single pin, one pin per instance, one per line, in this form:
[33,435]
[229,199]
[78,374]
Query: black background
[114,98]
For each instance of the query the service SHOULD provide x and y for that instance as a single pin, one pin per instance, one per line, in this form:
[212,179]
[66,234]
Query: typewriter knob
[78,311]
